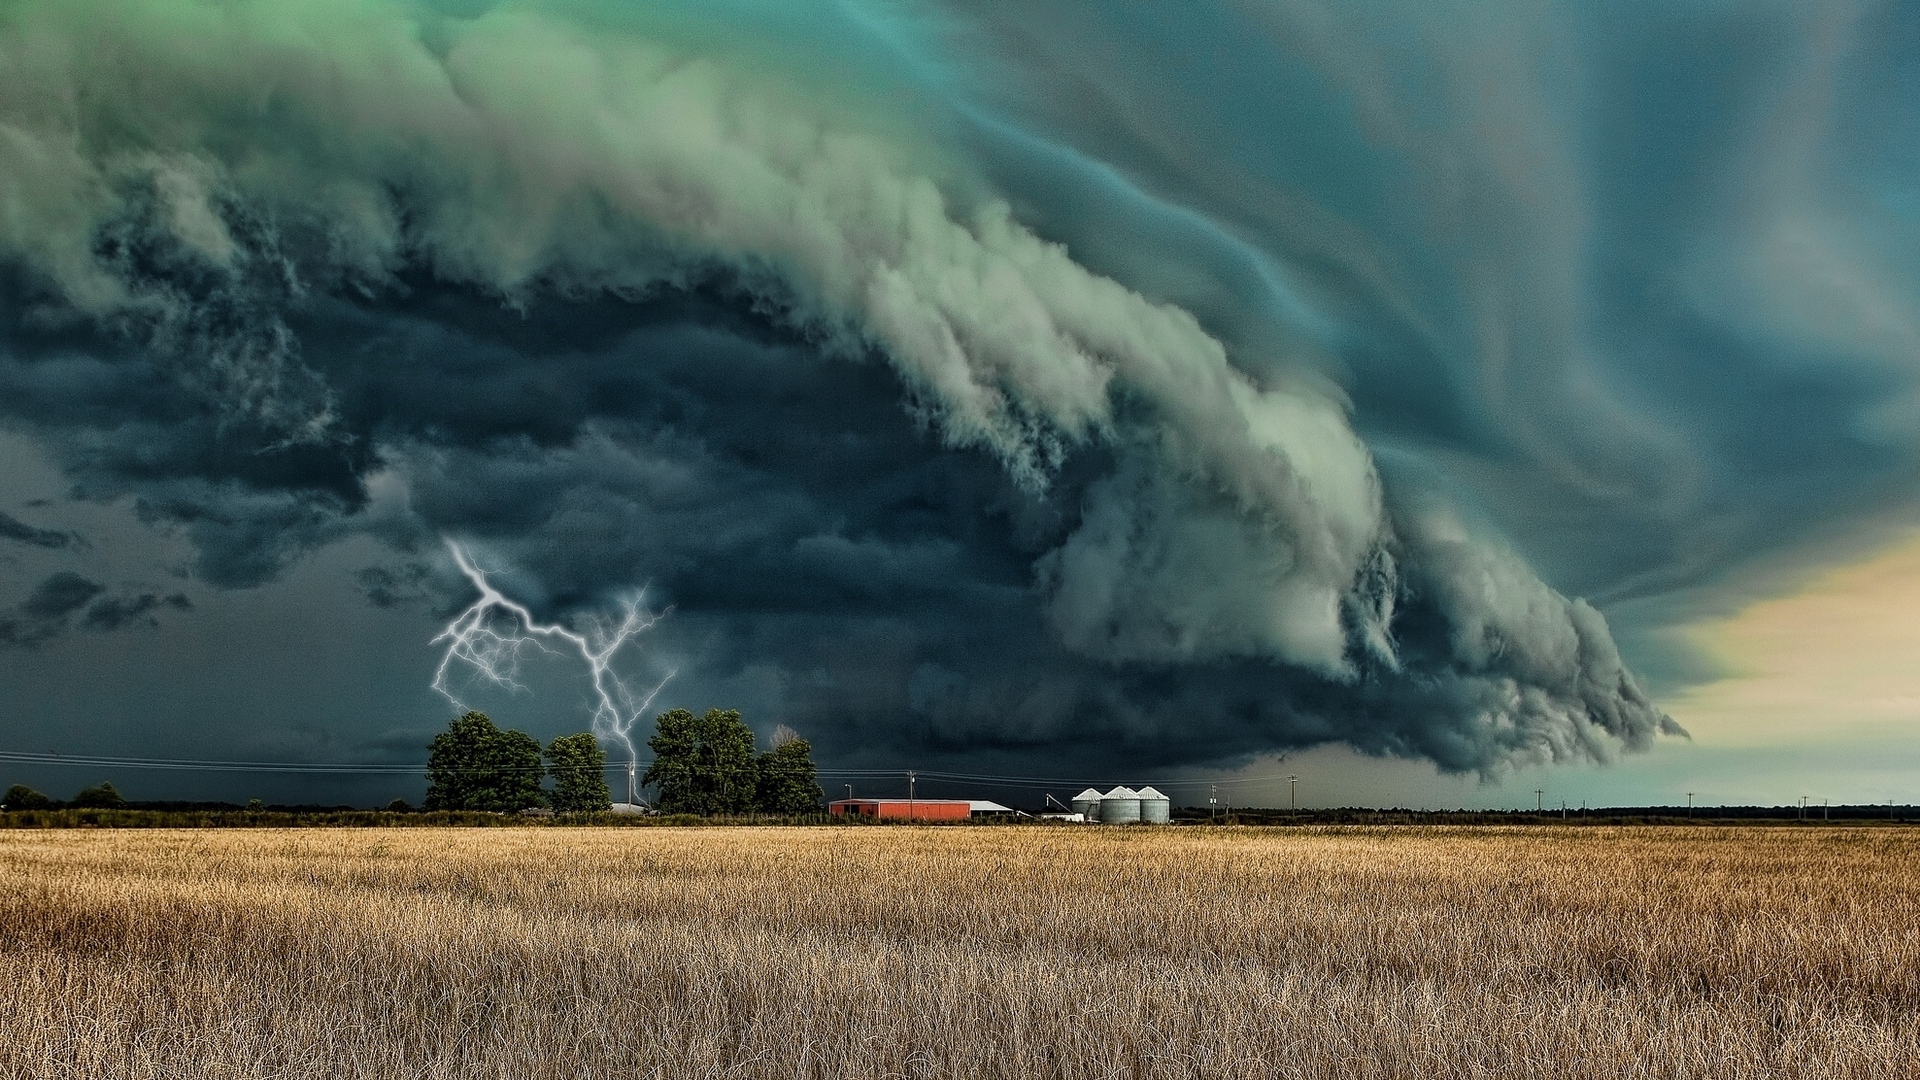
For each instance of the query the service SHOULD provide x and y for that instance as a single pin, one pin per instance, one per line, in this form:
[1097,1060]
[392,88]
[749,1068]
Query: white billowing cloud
[534,153]
[1214,580]
[257,150]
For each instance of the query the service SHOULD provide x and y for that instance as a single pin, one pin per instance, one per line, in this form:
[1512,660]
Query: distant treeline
[704,767]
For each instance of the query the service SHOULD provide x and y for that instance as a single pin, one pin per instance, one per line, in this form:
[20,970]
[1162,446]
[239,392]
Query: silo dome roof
[1122,792]
[1149,793]
[1087,794]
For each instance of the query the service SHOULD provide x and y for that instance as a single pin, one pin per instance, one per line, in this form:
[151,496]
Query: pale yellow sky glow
[1838,659]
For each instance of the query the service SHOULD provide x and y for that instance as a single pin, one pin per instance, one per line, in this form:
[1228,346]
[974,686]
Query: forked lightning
[485,637]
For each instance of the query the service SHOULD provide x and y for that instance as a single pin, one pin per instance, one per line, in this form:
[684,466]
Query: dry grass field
[990,952]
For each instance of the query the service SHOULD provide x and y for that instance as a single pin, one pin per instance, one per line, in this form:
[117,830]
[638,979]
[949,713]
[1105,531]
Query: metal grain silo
[1155,808]
[1088,803]
[1121,806]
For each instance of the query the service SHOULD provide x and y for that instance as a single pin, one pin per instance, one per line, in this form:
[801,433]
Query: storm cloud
[998,398]
[12,528]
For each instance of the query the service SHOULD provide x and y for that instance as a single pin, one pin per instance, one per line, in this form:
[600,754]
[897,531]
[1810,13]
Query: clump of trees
[22,797]
[703,764]
[706,765]
[474,765]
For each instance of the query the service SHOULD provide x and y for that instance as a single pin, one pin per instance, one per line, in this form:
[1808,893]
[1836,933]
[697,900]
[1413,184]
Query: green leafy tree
[22,797]
[788,781]
[102,795]
[474,765]
[579,769]
[702,764]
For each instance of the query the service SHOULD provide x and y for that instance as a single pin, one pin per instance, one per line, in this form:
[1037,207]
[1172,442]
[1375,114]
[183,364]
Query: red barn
[905,809]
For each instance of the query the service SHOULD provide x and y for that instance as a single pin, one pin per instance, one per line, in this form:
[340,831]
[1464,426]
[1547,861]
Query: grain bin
[1088,803]
[1155,808]
[1121,806]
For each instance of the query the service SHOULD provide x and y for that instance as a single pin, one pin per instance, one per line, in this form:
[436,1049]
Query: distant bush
[22,797]
[101,796]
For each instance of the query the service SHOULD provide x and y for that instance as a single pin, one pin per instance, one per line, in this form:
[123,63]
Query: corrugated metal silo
[1088,803]
[1121,806]
[1155,808]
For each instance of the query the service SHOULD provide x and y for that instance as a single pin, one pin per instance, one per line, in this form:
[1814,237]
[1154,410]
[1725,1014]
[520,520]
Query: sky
[1457,403]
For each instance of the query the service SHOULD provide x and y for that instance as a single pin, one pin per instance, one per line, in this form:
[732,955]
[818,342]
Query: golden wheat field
[960,952]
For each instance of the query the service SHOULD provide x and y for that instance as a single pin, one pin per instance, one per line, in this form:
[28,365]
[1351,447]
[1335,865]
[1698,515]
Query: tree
[473,765]
[22,797]
[704,764]
[100,796]
[788,782]
[579,769]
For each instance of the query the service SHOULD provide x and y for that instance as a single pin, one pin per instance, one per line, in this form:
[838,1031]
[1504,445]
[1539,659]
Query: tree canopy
[579,773]
[703,764]
[22,797]
[102,795]
[706,765]
[473,765]
[788,781]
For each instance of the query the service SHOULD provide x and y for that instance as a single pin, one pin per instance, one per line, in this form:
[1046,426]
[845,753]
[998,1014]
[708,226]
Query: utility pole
[1803,808]
[1291,781]
[1539,800]
[913,813]
[1824,806]
[1689,804]
[849,792]
[1213,802]
[633,790]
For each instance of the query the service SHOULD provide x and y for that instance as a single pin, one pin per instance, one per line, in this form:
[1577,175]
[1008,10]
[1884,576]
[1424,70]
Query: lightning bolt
[492,634]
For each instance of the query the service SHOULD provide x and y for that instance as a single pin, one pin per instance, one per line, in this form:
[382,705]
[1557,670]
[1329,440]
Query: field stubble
[1008,952]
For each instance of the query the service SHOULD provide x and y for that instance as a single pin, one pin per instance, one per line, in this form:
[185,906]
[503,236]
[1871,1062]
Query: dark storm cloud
[115,612]
[59,596]
[12,528]
[1084,397]
[48,610]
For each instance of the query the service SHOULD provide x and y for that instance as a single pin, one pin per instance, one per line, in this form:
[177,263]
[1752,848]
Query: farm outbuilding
[905,809]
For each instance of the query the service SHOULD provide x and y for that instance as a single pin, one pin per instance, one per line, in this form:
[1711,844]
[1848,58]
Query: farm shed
[905,809]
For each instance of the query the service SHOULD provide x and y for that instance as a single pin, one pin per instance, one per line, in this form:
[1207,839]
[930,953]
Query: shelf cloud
[998,398]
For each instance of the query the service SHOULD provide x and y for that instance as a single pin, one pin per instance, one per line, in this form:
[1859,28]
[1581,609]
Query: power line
[900,774]
[192,764]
